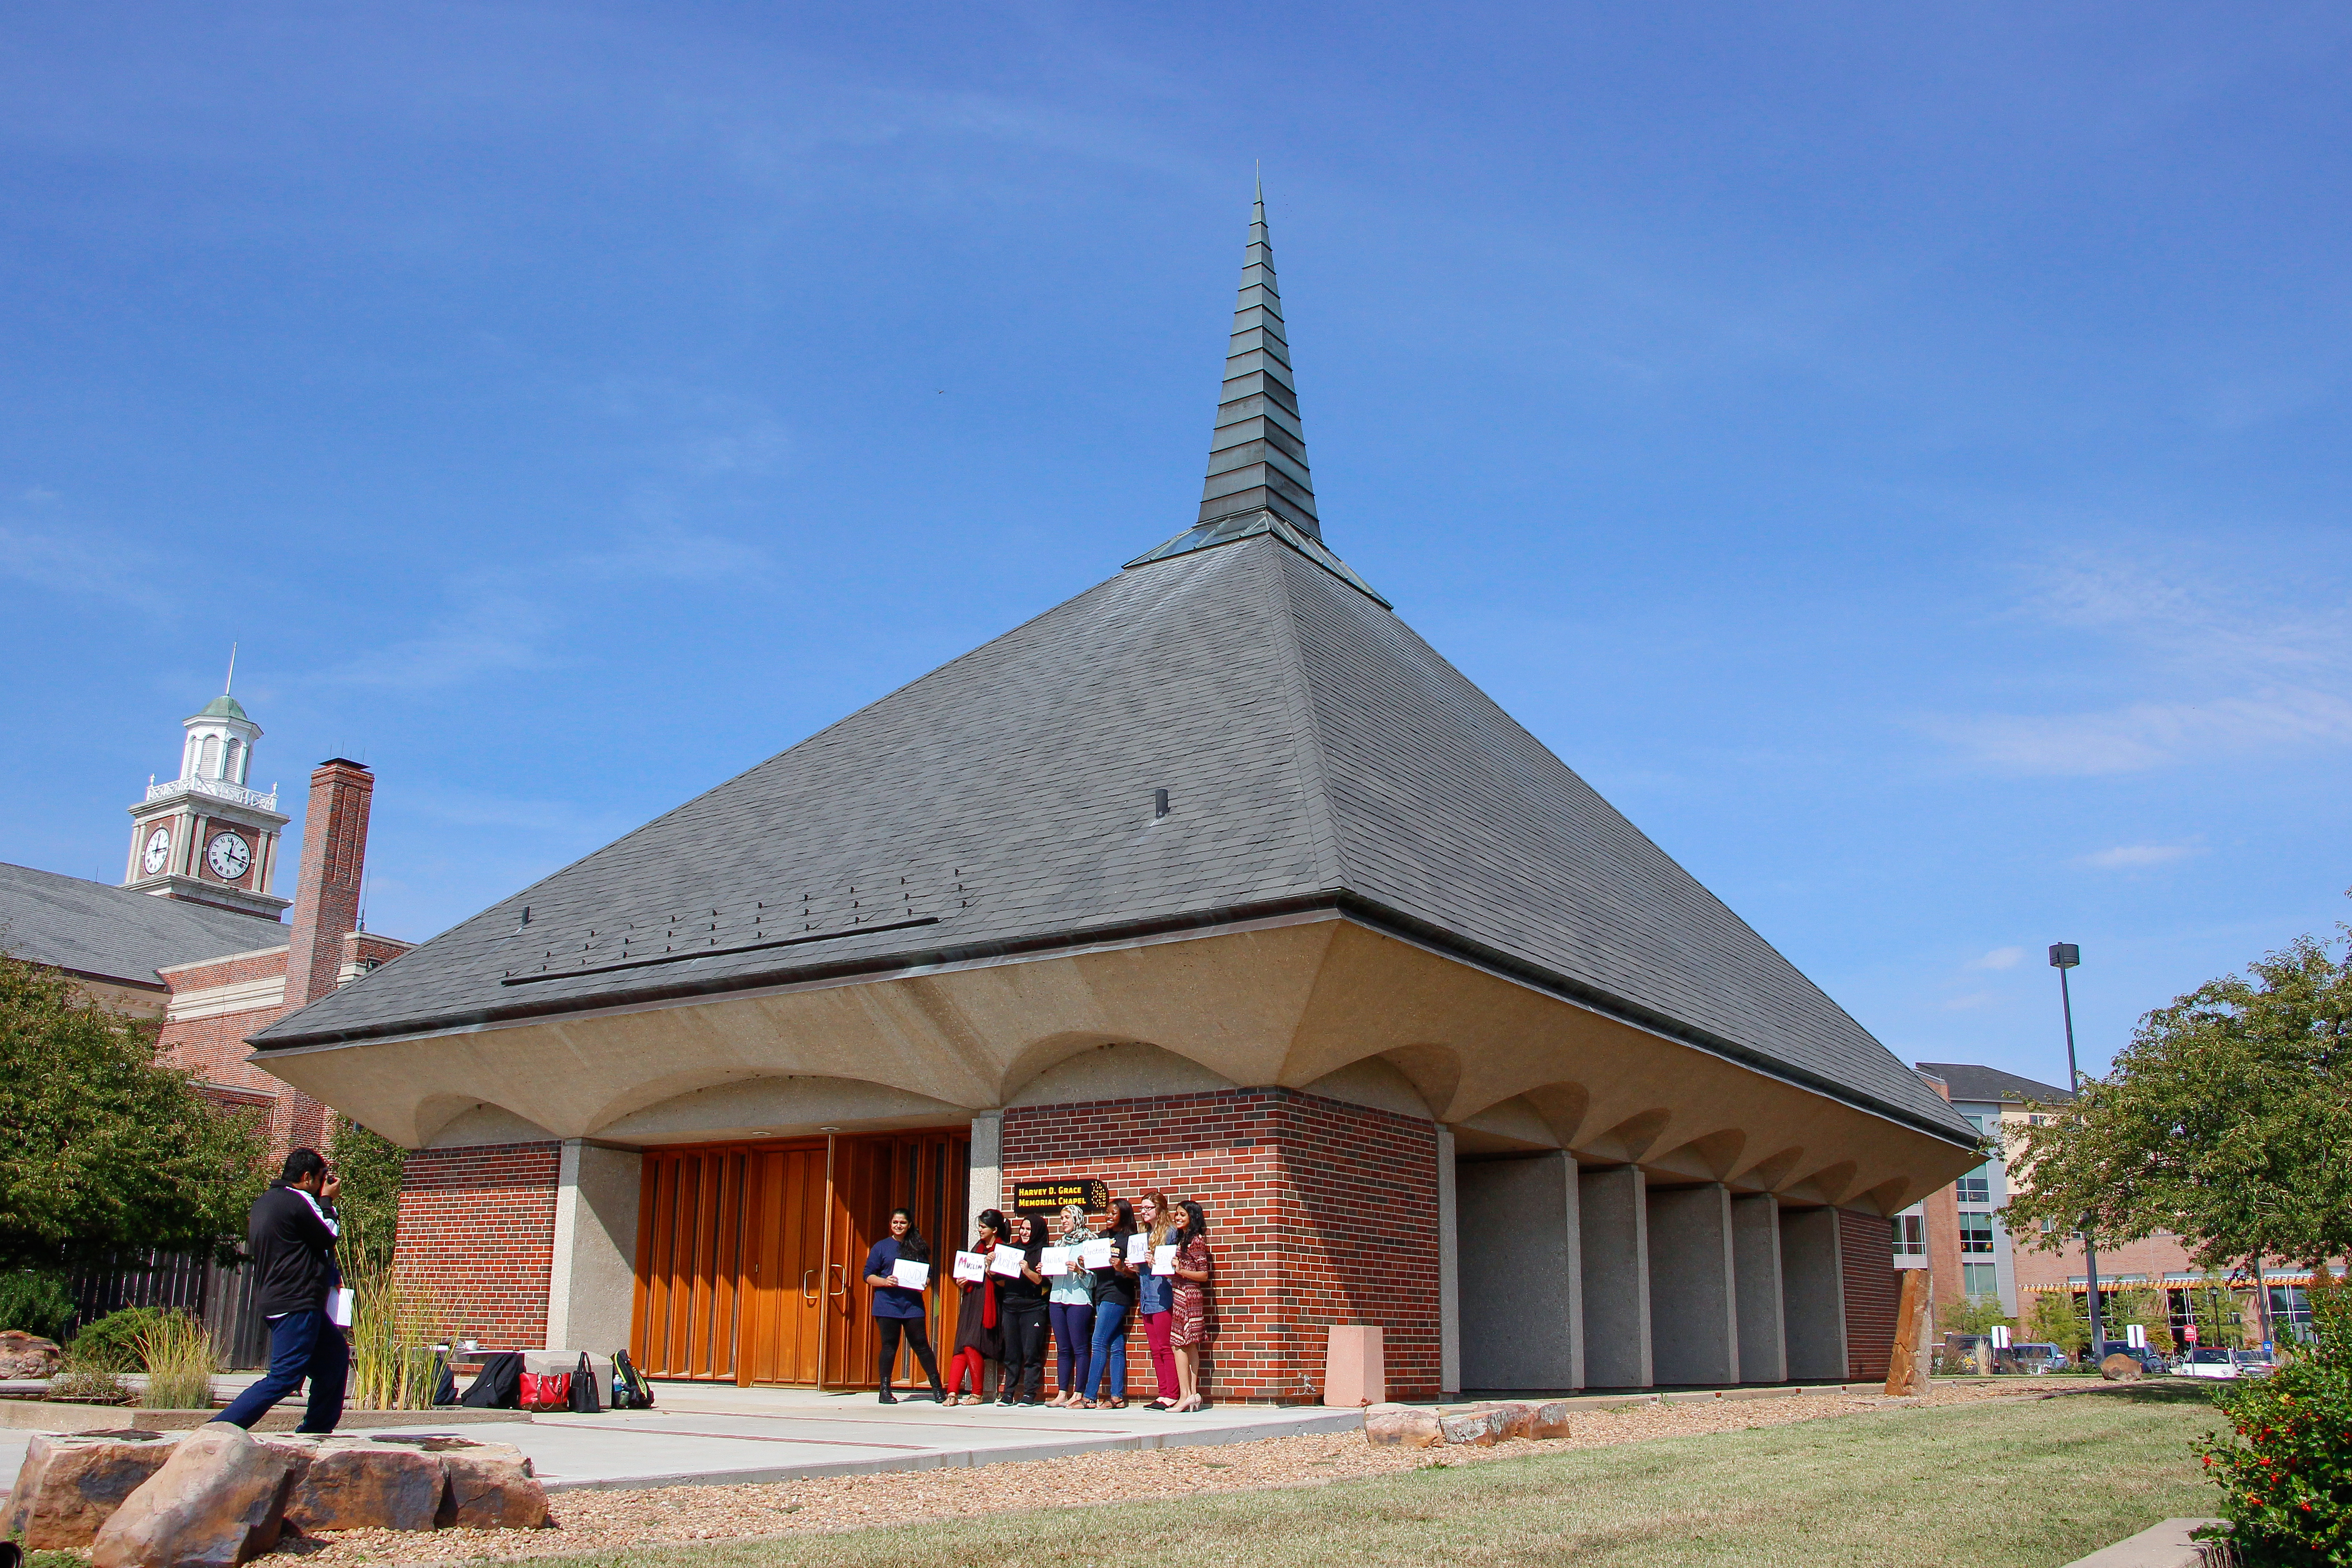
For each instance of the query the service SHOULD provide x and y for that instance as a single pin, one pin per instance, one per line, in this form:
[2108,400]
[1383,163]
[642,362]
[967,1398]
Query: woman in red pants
[1155,1298]
[980,1330]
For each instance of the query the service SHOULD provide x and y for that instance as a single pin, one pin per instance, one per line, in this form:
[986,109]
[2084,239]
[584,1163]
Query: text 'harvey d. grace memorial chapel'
[1214,878]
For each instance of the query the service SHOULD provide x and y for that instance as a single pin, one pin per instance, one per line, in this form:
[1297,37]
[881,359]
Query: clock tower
[206,836]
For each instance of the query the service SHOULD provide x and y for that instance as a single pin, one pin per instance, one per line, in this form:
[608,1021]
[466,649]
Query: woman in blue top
[1070,1305]
[897,1309]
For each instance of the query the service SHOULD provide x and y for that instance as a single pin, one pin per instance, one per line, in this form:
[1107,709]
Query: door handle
[842,1269]
[806,1294]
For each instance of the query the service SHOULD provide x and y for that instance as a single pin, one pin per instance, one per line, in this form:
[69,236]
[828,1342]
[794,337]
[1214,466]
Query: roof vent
[1159,804]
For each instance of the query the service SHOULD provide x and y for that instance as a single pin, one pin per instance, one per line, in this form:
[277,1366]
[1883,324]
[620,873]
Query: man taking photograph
[291,1234]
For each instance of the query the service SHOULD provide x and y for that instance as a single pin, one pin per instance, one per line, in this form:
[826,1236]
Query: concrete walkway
[718,1434]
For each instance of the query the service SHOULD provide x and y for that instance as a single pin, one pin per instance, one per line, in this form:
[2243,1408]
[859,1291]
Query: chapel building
[1215,878]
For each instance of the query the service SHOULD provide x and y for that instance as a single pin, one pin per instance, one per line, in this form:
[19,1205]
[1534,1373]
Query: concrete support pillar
[1449,1270]
[1613,1246]
[1813,1294]
[1756,1269]
[1522,1273]
[592,1279]
[1694,1293]
[987,1170]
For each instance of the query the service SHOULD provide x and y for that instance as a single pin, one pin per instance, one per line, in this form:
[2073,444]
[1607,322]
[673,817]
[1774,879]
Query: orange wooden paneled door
[750,1260]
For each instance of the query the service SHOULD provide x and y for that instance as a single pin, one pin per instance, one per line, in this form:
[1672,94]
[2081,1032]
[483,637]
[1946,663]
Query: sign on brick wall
[1055,1193]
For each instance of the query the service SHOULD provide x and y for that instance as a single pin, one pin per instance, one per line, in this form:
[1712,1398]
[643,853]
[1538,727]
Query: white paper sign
[339,1308]
[972,1266]
[912,1276]
[1007,1260]
[1138,1248]
[1095,1254]
[1163,1258]
[1055,1260]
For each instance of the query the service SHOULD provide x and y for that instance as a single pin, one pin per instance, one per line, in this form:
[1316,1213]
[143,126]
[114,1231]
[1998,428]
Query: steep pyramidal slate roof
[1315,752]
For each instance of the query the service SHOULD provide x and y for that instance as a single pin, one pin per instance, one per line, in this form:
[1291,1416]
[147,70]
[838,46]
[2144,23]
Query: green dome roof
[223,707]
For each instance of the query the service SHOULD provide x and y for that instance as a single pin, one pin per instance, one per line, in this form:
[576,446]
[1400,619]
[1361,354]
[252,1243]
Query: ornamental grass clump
[178,1354]
[393,1330]
[2285,1474]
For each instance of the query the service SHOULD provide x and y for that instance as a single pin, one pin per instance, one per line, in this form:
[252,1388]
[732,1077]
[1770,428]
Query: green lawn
[1988,1485]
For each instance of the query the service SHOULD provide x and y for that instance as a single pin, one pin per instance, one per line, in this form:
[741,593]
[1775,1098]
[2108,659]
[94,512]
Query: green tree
[1972,1315]
[2143,1305]
[2057,1318]
[100,1145]
[2227,1121]
[371,1166]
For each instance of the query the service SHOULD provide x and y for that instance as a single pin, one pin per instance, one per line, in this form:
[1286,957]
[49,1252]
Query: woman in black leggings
[899,1308]
[1023,1302]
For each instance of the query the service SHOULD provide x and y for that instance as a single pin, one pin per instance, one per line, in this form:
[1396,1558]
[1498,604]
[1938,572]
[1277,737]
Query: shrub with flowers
[2285,1472]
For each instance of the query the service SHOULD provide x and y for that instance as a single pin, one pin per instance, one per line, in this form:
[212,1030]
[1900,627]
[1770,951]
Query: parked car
[2034,1358]
[2150,1362]
[2212,1361]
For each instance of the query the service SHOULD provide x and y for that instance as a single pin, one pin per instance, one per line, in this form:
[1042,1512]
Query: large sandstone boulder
[351,1483]
[28,1355]
[2121,1368]
[1550,1419]
[70,1484]
[1479,1429]
[490,1487]
[1519,1420]
[219,1500]
[1399,1425]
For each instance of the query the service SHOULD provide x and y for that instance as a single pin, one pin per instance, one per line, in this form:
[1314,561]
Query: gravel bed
[609,1520]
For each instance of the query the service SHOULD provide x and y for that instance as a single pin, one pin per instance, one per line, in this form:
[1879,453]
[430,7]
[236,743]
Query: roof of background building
[1317,754]
[114,933]
[1982,1084]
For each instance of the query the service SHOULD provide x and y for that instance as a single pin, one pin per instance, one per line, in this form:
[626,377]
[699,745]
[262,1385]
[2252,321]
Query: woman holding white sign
[980,1331]
[898,1267]
[1021,1297]
[1193,1269]
[1070,1304]
[1114,1304]
[1155,1291]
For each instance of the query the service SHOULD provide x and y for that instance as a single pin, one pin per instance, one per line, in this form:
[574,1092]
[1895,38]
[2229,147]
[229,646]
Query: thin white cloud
[2134,857]
[2238,671]
[1973,999]
[65,559]
[1998,958]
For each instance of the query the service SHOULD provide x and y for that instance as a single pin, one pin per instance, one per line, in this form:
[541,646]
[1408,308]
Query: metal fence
[222,1297]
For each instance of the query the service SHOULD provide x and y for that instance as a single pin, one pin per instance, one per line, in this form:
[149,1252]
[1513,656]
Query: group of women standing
[1085,1313]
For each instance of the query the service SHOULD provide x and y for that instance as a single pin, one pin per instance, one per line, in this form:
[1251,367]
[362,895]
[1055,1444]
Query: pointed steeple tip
[1257,453]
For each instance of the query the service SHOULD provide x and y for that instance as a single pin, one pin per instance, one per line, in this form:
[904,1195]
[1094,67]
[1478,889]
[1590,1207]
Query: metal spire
[227,685]
[1257,456]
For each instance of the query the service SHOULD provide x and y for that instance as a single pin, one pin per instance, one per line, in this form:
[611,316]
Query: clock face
[158,850]
[228,856]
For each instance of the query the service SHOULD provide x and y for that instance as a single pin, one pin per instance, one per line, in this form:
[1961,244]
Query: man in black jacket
[293,1236]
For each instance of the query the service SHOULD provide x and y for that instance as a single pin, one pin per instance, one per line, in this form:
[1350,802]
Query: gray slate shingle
[1314,750]
[92,929]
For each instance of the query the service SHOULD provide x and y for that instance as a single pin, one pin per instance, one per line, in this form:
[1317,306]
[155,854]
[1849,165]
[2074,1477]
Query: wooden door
[751,1261]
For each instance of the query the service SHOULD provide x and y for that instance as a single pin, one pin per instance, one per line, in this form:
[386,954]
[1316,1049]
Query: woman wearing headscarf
[1155,1298]
[1022,1298]
[897,1309]
[979,1323]
[1194,1269]
[1070,1306]
[1114,1305]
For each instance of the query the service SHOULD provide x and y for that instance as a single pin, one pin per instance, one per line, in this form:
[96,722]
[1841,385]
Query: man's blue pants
[302,1344]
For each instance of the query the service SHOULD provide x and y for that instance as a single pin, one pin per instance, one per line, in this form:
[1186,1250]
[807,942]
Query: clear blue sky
[1898,455]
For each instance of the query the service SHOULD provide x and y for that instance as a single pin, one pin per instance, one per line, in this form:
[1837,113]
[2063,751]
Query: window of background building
[1976,1187]
[1979,1280]
[1910,1236]
[1976,1234]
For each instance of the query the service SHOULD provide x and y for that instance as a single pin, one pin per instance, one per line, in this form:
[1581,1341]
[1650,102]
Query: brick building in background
[193,939]
[1217,880]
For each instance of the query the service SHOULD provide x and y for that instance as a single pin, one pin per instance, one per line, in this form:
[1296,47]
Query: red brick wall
[1866,1246]
[477,1231]
[1319,1213]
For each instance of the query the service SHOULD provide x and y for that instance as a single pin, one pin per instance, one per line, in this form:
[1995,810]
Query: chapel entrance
[750,1256]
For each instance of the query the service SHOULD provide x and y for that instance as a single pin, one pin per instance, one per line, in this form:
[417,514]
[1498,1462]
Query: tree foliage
[371,1166]
[101,1146]
[2285,1471]
[2227,1122]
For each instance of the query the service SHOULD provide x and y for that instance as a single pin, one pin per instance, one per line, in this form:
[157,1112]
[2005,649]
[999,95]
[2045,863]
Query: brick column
[327,899]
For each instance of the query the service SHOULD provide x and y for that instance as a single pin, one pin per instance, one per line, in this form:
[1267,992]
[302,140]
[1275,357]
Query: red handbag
[546,1391]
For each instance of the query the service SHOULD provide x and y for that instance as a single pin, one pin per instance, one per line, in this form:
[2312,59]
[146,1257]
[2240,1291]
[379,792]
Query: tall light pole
[2063,956]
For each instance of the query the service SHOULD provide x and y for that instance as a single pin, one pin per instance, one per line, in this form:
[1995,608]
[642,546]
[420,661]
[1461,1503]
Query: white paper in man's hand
[1006,1260]
[970,1267]
[1095,1254]
[339,1308]
[1053,1260]
[911,1276]
[1163,1258]
[1138,1249]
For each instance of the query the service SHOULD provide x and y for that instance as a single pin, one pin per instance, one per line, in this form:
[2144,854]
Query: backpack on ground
[630,1389]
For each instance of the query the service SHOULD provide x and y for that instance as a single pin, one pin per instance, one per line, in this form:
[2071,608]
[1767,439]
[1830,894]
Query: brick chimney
[327,899]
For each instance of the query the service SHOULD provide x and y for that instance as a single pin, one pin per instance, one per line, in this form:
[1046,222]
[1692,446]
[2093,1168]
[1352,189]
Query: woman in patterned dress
[1193,1330]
